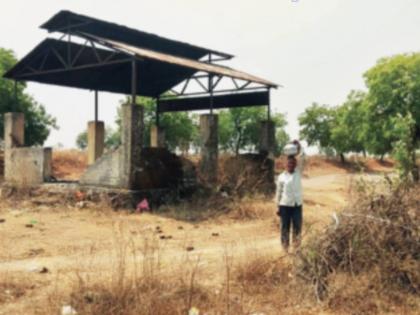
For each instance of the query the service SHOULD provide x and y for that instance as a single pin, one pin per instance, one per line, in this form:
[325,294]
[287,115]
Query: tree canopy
[383,120]
[38,122]
[239,129]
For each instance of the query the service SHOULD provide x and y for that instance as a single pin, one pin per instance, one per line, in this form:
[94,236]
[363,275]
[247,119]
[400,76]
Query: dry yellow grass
[117,263]
[69,164]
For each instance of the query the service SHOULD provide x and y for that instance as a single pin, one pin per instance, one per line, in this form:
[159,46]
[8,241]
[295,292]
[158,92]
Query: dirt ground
[68,240]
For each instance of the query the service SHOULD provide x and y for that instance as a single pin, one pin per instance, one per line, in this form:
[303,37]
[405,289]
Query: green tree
[403,151]
[112,139]
[179,126]
[239,129]
[316,123]
[348,125]
[394,90]
[37,121]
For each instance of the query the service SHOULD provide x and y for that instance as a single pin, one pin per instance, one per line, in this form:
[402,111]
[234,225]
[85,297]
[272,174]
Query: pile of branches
[378,235]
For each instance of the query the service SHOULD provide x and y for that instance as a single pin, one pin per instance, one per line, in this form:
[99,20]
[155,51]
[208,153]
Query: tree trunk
[415,170]
[382,158]
[342,158]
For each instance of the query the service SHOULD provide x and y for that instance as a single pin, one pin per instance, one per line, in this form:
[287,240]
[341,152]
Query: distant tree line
[384,120]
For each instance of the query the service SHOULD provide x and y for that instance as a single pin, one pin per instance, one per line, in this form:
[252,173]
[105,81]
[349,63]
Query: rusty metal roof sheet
[185,62]
[67,21]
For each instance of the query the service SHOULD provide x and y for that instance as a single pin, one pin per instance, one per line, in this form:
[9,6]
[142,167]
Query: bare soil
[71,240]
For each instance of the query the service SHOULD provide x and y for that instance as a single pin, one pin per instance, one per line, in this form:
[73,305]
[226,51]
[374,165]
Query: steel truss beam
[68,62]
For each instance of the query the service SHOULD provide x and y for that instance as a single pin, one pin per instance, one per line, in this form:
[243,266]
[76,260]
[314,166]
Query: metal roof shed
[118,59]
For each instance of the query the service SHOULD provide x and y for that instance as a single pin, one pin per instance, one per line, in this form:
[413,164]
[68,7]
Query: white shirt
[289,186]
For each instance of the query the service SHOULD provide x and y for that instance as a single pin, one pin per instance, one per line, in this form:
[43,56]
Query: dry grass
[376,238]
[69,164]
[217,205]
[139,284]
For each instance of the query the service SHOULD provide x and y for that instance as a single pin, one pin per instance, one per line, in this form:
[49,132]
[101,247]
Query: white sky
[317,49]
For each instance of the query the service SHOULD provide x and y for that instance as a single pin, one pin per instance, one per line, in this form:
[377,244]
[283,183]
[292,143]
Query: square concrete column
[209,147]
[131,142]
[267,141]
[14,136]
[157,137]
[14,130]
[95,140]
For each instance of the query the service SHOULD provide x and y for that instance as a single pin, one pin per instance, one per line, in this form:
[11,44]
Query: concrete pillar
[209,147]
[14,130]
[14,136]
[131,143]
[157,137]
[267,141]
[95,140]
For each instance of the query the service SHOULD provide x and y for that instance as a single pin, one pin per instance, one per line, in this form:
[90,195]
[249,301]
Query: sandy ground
[67,240]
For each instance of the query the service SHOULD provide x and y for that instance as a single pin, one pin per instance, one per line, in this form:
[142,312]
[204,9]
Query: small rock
[215,234]
[2,220]
[180,227]
[38,269]
[81,204]
[190,248]
[162,237]
[169,237]
[29,225]
[68,310]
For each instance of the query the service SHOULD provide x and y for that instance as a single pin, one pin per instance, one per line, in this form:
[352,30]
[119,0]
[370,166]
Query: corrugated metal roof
[185,62]
[65,21]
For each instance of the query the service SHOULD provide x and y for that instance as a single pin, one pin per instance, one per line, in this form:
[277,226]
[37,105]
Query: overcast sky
[317,49]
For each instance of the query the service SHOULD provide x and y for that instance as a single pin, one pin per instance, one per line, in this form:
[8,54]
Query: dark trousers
[290,216]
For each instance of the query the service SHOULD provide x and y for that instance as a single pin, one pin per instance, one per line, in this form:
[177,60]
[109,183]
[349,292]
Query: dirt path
[66,241]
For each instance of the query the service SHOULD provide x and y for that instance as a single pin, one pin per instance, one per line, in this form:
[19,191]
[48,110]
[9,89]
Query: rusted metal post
[15,103]
[133,81]
[96,105]
[210,87]
[157,111]
[269,106]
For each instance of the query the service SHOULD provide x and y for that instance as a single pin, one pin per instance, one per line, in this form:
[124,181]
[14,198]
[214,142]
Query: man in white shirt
[289,198]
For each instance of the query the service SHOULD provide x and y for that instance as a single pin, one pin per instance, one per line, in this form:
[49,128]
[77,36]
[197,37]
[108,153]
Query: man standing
[289,198]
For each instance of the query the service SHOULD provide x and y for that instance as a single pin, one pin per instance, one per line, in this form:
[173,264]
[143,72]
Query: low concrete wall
[28,166]
[118,169]
[107,171]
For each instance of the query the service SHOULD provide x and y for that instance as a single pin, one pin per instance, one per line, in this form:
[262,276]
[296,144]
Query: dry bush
[14,287]
[12,290]
[136,284]
[269,284]
[250,208]
[246,174]
[377,236]
[69,164]
[200,208]
[263,274]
